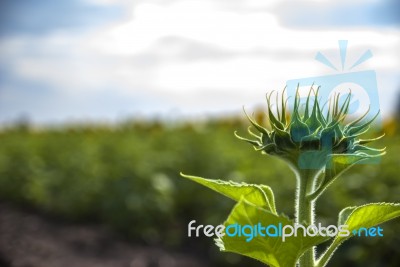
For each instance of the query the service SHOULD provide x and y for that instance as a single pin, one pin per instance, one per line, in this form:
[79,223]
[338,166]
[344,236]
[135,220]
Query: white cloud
[190,19]
[240,34]
[190,48]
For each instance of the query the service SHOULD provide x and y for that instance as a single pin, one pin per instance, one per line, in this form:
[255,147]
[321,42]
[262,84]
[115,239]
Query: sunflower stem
[305,211]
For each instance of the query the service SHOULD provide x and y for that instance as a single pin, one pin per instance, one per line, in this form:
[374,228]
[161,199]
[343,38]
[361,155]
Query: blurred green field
[127,176]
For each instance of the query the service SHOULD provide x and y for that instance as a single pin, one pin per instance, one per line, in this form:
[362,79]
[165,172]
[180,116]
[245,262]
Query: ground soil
[31,239]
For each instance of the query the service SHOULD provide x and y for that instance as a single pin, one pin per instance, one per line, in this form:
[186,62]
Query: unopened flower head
[307,137]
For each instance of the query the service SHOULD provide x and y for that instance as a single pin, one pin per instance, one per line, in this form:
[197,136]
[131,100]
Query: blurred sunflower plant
[318,146]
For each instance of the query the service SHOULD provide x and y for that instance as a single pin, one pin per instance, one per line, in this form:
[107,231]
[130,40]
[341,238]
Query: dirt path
[31,240]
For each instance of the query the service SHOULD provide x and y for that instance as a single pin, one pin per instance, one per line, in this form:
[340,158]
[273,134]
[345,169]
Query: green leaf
[271,250]
[366,216]
[369,215]
[259,195]
[344,214]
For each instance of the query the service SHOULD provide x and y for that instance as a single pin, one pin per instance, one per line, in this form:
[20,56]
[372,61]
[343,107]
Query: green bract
[319,146]
[309,138]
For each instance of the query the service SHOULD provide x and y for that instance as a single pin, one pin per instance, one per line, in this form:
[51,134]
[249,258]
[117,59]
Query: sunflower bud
[307,139]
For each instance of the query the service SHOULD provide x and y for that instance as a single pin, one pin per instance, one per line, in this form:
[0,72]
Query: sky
[109,60]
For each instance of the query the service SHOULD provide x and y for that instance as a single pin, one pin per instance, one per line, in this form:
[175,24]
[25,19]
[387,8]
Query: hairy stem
[305,211]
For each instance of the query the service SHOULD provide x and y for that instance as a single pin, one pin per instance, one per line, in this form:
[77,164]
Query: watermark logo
[249,232]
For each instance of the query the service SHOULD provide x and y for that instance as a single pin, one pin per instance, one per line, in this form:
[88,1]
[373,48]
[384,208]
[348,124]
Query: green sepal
[275,122]
[336,165]
[253,142]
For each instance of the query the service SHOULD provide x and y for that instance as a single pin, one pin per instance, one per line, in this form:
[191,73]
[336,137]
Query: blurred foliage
[127,176]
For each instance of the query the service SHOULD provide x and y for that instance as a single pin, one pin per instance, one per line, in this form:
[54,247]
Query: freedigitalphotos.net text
[281,231]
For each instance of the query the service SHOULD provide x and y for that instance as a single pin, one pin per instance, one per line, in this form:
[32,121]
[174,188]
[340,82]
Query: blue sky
[108,60]
[42,17]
